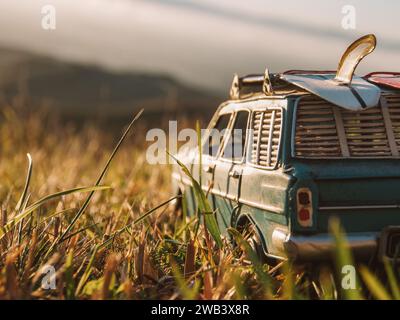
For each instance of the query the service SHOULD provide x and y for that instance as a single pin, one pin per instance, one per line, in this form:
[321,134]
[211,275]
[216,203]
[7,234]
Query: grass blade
[198,131]
[394,286]
[141,218]
[374,285]
[188,292]
[103,172]
[343,257]
[263,277]
[21,201]
[190,259]
[38,203]
[86,273]
[204,205]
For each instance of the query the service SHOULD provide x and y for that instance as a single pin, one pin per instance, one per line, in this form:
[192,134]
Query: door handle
[234,174]
[209,168]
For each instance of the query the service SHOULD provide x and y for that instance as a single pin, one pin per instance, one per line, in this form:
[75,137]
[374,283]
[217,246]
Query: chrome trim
[293,128]
[253,79]
[241,201]
[322,246]
[258,135]
[387,206]
[278,239]
[270,137]
[216,192]
[221,146]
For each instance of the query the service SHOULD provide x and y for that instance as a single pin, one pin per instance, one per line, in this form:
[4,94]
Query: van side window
[235,145]
[216,135]
[264,145]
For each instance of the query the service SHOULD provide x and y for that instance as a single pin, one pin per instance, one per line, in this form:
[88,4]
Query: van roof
[251,87]
[341,87]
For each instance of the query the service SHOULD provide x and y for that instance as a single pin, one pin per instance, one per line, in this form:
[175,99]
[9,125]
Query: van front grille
[324,130]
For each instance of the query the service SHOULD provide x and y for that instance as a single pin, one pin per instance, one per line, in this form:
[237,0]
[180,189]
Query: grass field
[122,239]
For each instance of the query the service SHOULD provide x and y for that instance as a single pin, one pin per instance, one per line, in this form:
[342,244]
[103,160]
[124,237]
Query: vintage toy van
[313,145]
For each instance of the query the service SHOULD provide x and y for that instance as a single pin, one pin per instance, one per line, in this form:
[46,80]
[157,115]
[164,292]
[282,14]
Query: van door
[210,149]
[264,186]
[228,169]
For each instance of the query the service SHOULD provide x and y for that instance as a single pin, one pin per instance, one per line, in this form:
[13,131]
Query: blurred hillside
[81,91]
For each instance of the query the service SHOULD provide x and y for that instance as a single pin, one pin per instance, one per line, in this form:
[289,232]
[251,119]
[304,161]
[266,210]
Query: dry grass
[110,253]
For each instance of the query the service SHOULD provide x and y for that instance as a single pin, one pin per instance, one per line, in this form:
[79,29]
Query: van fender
[272,234]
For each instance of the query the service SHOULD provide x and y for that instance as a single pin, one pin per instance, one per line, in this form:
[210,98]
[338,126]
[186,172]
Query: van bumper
[322,246]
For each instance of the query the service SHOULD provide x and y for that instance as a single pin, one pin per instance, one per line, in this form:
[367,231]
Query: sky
[203,42]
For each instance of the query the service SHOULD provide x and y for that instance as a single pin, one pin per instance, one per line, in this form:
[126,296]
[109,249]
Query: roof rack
[325,84]
[295,71]
[256,83]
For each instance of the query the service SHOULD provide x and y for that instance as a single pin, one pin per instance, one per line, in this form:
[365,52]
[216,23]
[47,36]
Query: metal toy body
[307,157]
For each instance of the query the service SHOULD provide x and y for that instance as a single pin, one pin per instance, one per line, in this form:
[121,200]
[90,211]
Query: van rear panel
[353,161]
[364,194]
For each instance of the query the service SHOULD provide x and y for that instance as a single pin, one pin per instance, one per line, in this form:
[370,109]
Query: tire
[250,233]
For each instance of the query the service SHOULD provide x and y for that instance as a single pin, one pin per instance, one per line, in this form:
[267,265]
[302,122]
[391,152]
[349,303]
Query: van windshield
[325,131]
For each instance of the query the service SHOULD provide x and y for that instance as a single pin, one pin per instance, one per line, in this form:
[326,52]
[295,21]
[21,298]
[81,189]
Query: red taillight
[304,214]
[304,207]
